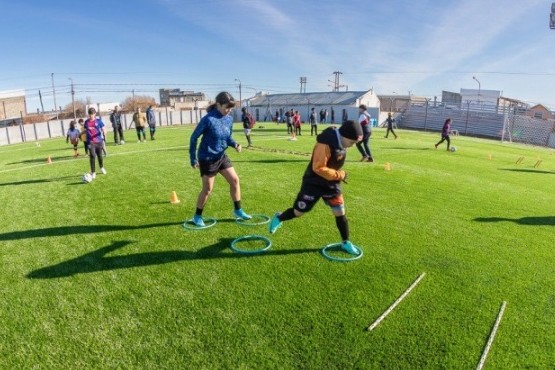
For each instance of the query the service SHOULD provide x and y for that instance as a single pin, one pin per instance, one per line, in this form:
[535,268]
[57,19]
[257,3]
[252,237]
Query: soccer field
[103,275]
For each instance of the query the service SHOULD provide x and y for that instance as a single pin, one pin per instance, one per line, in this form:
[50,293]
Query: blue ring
[189,225]
[251,237]
[340,259]
[265,220]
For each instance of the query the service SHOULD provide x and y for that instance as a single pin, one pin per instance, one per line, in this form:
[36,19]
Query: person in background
[117,125]
[322,179]
[445,133]
[73,134]
[246,125]
[151,120]
[389,122]
[216,129]
[139,119]
[94,127]
[313,122]
[297,122]
[362,146]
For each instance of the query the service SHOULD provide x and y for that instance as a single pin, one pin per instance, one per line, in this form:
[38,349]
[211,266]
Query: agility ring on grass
[254,221]
[337,247]
[208,222]
[267,244]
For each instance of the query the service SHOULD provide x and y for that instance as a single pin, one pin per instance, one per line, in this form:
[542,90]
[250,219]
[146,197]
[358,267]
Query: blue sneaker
[275,223]
[239,213]
[350,248]
[198,221]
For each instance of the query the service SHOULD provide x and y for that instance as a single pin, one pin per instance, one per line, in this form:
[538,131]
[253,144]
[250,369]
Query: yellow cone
[49,160]
[174,199]
[387,166]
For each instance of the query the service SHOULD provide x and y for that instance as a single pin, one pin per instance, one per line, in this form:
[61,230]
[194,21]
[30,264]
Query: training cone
[49,160]
[489,156]
[174,199]
[387,166]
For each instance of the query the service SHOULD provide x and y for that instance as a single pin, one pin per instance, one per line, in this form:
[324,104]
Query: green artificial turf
[103,275]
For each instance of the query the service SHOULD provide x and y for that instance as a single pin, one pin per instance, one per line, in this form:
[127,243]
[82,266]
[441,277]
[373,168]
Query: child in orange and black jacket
[322,179]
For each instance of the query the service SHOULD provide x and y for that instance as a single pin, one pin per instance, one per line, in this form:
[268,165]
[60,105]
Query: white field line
[491,336]
[110,155]
[392,307]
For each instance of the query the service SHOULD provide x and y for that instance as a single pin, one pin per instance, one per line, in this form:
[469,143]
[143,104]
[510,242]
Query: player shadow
[271,161]
[72,230]
[400,148]
[97,260]
[534,221]
[36,181]
[527,170]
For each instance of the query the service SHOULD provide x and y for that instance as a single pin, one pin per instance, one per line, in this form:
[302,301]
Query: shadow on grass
[37,181]
[527,171]
[270,161]
[70,230]
[535,221]
[405,148]
[97,261]
[42,160]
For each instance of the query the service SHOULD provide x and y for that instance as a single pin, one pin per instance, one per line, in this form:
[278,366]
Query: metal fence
[58,128]
[491,122]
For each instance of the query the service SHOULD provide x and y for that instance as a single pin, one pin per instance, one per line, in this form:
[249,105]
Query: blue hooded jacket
[216,131]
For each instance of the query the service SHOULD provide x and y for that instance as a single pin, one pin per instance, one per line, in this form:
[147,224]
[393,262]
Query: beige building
[12,104]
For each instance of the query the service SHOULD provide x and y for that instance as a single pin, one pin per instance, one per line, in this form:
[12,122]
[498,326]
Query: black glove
[345,178]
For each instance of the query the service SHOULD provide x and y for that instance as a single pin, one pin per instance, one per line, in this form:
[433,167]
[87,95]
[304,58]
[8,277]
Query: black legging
[443,138]
[362,146]
[95,150]
[390,129]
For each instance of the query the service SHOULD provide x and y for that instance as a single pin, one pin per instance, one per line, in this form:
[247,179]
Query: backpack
[251,119]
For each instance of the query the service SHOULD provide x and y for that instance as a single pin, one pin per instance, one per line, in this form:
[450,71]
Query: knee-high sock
[343,226]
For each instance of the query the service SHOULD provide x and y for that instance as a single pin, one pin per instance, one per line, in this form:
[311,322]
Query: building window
[538,115]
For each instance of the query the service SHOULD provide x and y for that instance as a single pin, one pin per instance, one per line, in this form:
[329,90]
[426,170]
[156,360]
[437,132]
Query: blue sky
[109,48]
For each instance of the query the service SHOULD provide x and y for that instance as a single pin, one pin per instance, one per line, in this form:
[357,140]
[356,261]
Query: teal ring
[251,237]
[265,220]
[339,259]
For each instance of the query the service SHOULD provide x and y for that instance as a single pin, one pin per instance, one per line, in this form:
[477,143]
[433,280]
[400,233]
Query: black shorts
[309,195]
[211,168]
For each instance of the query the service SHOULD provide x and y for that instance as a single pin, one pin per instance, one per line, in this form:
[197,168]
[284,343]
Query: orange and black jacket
[327,159]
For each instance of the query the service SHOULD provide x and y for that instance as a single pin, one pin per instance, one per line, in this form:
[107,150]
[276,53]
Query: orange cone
[49,160]
[174,199]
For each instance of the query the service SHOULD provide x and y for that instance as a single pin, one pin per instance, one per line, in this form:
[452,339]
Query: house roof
[540,106]
[317,98]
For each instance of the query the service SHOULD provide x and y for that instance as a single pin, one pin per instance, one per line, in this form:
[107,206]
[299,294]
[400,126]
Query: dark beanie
[351,130]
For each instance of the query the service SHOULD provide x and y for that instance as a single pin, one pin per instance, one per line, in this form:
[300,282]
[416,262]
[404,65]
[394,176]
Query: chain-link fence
[492,122]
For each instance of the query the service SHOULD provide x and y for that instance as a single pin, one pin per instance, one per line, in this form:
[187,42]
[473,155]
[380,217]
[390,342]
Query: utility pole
[240,94]
[73,100]
[41,105]
[303,84]
[54,95]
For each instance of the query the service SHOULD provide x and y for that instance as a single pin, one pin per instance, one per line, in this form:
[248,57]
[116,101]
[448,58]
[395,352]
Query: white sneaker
[103,170]
[139,141]
[93,174]
[122,142]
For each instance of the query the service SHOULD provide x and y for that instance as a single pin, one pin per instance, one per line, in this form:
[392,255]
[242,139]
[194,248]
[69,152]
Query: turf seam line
[491,336]
[392,307]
